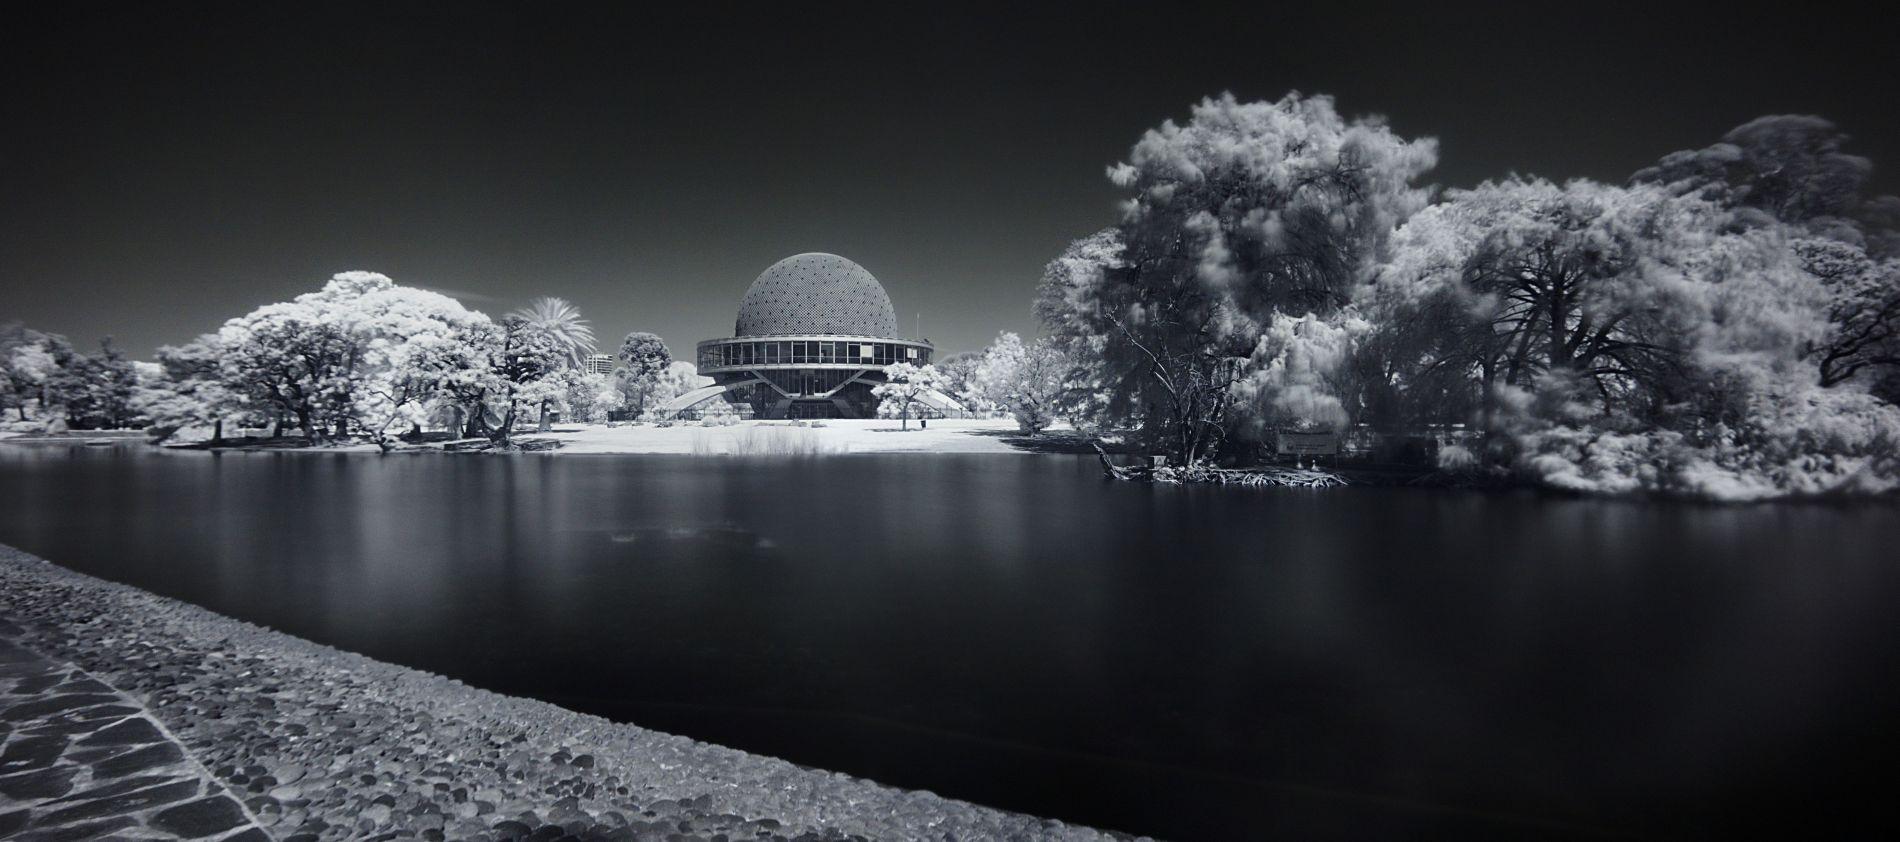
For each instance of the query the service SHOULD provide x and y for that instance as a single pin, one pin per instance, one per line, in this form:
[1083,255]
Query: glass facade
[808,381]
[758,352]
[811,376]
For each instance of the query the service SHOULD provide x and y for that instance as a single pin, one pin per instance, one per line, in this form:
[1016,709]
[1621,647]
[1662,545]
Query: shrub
[1454,457]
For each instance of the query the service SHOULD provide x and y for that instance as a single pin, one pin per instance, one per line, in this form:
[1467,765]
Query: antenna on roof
[920,326]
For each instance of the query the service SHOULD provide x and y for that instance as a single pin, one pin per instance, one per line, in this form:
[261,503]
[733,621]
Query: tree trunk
[1559,352]
[473,427]
[500,435]
[217,432]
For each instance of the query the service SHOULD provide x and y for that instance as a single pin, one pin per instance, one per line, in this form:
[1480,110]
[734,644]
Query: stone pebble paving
[81,760]
[319,744]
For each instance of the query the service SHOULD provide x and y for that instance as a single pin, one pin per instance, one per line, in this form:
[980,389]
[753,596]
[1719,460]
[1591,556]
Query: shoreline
[853,437]
[321,743]
[744,438]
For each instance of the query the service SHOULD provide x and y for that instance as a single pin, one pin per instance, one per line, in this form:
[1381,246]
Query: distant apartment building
[599,364]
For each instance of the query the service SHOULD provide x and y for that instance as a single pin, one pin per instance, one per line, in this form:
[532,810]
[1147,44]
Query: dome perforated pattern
[816,293]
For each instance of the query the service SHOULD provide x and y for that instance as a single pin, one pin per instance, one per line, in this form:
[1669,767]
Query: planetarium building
[814,335]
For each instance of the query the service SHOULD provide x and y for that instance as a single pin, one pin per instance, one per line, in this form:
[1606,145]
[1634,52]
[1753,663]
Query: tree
[1299,372]
[562,322]
[280,357]
[905,386]
[1034,382]
[471,397]
[526,364]
[295,359]
[97,389]
[591,395]
[679,378]
[1788,168]
[959,381]
[1863,309]
[1793,171]
[644,359]
[1581,286]
[189,390]
[417,347]
[10,395]
[30,362]
[1417,365]
[1246,211]
[16,389]
[362,353]
[1636,338]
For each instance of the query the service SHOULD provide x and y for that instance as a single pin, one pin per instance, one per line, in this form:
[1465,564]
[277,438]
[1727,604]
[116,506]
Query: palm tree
[559,318]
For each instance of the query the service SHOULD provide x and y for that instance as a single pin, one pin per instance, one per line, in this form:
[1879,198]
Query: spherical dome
[816,293]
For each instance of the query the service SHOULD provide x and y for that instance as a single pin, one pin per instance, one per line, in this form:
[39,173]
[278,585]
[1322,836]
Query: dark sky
[167,166]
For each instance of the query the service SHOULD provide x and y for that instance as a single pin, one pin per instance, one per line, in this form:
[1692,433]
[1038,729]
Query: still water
[1015,631]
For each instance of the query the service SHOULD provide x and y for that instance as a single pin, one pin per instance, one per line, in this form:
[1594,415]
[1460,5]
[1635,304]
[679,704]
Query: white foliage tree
[188,390]
[289,360]
[1294,371]
[416,348]
[559,322]
[645,360]
[959,378]
[31,365]
[1246,211]
[678,378]
[361,354]
[1638,339]
[1035,382]
[1863,309]
[904,390]
[590,396]
[563,325]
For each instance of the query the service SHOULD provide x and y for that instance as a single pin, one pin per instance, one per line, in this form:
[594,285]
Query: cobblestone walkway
[83,761]
[146,717]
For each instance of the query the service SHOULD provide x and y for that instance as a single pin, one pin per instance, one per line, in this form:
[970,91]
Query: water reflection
[1190,662]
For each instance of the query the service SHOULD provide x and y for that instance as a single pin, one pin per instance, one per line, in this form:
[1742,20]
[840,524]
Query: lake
[1013,630]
